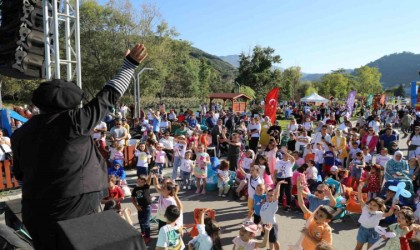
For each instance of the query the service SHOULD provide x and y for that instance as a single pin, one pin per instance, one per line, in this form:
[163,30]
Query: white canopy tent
[314,97]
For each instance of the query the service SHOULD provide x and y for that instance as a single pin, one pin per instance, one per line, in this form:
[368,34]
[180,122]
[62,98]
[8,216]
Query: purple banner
[350,101]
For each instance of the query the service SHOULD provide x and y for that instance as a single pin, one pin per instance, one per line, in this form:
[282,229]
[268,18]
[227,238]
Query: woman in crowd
[396,168]
[413,143]
[371,140]
[340,144]
[265,137]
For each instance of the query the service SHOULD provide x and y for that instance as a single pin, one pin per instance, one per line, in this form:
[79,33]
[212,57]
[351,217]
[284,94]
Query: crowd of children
[320,170]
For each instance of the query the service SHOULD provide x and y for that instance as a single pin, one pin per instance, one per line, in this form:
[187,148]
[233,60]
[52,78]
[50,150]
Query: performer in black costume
[62,171]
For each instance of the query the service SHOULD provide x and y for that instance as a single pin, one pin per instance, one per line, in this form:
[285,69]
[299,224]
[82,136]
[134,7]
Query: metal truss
[62,17]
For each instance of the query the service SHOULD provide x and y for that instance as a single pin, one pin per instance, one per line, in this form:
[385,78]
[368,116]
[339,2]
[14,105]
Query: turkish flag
[271,104]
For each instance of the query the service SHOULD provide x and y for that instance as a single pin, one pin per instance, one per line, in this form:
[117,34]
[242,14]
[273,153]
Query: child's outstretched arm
[300,196]
[177,200]
[263,243]
[156,183]
[333,202]
[241,170]
[149,179]
[277,190]
[360,196]
[391,209]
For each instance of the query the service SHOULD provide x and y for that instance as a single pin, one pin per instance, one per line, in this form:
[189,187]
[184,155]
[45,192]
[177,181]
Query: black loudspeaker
[22,38]
[105,230]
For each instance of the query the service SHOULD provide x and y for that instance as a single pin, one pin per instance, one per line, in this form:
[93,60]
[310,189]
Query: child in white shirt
[143,159]
[186,167]
[223,178]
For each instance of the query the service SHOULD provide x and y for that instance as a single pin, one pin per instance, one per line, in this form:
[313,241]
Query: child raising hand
[317,229]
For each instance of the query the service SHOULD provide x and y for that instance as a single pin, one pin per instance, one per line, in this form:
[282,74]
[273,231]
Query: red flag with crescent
[271,104]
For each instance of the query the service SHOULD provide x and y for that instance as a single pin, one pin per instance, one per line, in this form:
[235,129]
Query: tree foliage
[177,71]
[290,83]
[255,70]
[365,80]
[247,91]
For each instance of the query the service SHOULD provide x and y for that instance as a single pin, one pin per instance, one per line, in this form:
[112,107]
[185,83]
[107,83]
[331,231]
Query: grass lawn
[283,124]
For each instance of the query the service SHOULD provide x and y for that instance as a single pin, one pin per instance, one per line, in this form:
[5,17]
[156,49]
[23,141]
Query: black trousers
[286,189]
[253,144]
[169,154]
[40,217]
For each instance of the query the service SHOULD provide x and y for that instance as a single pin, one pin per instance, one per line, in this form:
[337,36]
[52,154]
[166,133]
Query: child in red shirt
[115,195]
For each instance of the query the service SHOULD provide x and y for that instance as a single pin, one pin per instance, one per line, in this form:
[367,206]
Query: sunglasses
[320,191]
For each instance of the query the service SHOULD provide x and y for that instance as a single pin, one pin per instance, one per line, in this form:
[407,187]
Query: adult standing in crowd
[254,130]
[340,143]
[5,148]
[216,131]
[265,137]
[234,151]
[62,171]
[413,143]
[155,122]
[119,133]
[4,138]
[101,127]
[370,140]
[168,146]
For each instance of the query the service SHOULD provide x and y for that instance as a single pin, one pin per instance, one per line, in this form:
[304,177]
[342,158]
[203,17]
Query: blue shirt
[388,139]
[192,122]
[210,122]
[258,201]
[117,172]
[156,124]
[314,202]
[329,158]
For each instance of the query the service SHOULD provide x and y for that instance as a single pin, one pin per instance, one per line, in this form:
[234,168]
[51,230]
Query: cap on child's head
[250,227]
[333,169]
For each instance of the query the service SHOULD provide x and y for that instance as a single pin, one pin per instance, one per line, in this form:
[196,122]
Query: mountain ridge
[396,68]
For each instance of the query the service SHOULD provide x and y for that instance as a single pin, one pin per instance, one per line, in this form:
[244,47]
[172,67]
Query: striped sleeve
[121,81]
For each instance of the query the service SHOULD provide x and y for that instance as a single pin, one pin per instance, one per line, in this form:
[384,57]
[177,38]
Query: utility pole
[138,89]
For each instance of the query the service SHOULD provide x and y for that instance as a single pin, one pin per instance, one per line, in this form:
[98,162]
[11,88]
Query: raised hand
[138,53]
[176,190]
[268,227]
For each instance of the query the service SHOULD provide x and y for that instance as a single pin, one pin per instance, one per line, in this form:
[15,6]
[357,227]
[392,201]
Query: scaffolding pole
[62,14]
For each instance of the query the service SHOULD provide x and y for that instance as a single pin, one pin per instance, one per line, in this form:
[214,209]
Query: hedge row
[170,102]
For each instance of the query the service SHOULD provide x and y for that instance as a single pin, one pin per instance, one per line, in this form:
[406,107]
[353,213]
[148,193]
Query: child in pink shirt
[119,155]
[160,157]
[265,173]
[299,172]
[271,154]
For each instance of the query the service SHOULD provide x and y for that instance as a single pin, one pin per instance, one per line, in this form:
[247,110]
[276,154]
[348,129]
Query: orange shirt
[203,140]
[320,232]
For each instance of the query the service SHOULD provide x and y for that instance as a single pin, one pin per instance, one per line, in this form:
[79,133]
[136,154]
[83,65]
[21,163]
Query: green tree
[333,84]
[305,88]
[247,91]
[256,71]
[368,80]
[291,81]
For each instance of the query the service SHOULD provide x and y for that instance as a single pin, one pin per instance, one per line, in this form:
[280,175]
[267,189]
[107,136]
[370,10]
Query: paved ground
[230,214]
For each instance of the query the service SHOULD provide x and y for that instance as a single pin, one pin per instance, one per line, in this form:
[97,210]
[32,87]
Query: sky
[317,35]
